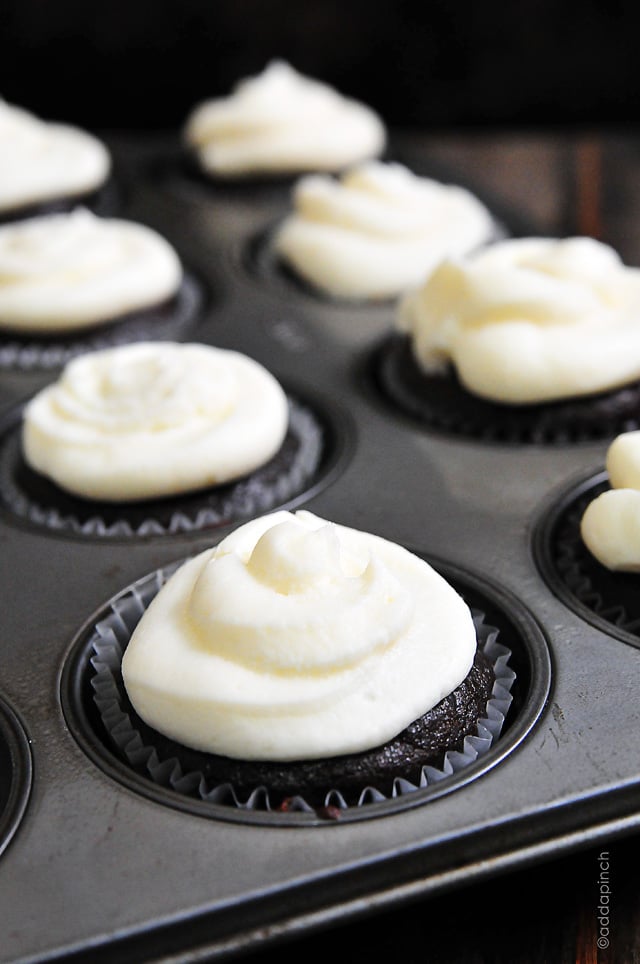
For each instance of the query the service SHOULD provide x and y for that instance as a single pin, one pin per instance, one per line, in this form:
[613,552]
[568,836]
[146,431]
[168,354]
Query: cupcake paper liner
[442,403]
[168,321]
[135,743]
[34,499]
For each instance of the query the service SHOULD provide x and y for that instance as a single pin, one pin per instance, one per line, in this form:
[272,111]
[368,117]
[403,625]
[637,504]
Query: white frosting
[61,272]
[377,231]
[282,122]
[154,419]
[610,526]
[297,638]
[42,161]
[530,320]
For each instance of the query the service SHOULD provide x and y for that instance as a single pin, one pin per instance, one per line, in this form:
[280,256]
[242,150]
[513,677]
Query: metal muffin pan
[97,868]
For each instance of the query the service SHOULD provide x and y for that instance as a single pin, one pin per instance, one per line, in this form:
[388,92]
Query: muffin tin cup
[104,722]
[608,600]
[174,320]
[16,772]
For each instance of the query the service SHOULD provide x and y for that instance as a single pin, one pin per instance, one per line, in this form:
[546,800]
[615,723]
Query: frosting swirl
[377,231]
[530,320]
[154,419]
[297,638]
[610,526]
[281,122]
[41,161]
[63,272]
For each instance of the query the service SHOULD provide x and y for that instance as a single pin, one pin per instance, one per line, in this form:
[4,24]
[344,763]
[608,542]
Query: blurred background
[143,64]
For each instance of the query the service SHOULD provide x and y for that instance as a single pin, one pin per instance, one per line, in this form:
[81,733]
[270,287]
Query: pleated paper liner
[105,723]
[441,403]
[606,599]
[170,321]
[16,772]
[307,457]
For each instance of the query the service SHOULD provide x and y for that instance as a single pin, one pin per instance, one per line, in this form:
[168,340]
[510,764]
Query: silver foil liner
[33,353]
[107,643]
[253,495]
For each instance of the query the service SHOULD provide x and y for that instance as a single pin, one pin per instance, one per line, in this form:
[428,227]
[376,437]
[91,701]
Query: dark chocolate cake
[423,743]
[442,403]
[170,319]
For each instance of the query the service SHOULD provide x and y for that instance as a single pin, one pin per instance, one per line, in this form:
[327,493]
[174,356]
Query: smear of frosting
[378,230]
[282,122]
[154,419]
[529,320]
[297,638]
[42,161]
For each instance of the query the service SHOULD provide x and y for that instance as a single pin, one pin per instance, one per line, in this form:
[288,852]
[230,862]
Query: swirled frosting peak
[154,419]
[42,161]
[610,526]
[281,122]
[62,272]
[378,230]
[297,638]
[529,320]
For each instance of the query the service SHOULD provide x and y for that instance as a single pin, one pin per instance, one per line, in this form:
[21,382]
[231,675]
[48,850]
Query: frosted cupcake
[46,164]
[377,231]
[303,657]
[533,339]
[610,526]
[156,437]
[280,123]
[588,544]
[73,281]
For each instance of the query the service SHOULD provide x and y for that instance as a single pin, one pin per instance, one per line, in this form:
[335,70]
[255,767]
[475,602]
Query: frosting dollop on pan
[297,638]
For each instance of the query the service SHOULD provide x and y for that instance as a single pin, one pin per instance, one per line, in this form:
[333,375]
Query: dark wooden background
[142,63]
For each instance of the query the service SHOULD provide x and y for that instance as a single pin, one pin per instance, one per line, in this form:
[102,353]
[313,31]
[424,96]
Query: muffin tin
[95,860]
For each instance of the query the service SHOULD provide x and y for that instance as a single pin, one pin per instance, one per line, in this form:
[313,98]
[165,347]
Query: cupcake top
[378,230]
[529,320]
[42,161]
[63,272]
[157,419]
[610,526]
[296,638]
[281,122]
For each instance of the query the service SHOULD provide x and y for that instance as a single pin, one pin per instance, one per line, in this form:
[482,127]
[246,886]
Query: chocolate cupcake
[71,282]
[158,437]
[47,167]
[318,664]
[527,341]
[280,124]
[590,544]
[377,231]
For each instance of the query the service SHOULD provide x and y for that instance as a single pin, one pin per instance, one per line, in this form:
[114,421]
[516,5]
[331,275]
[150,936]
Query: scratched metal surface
[99,870]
